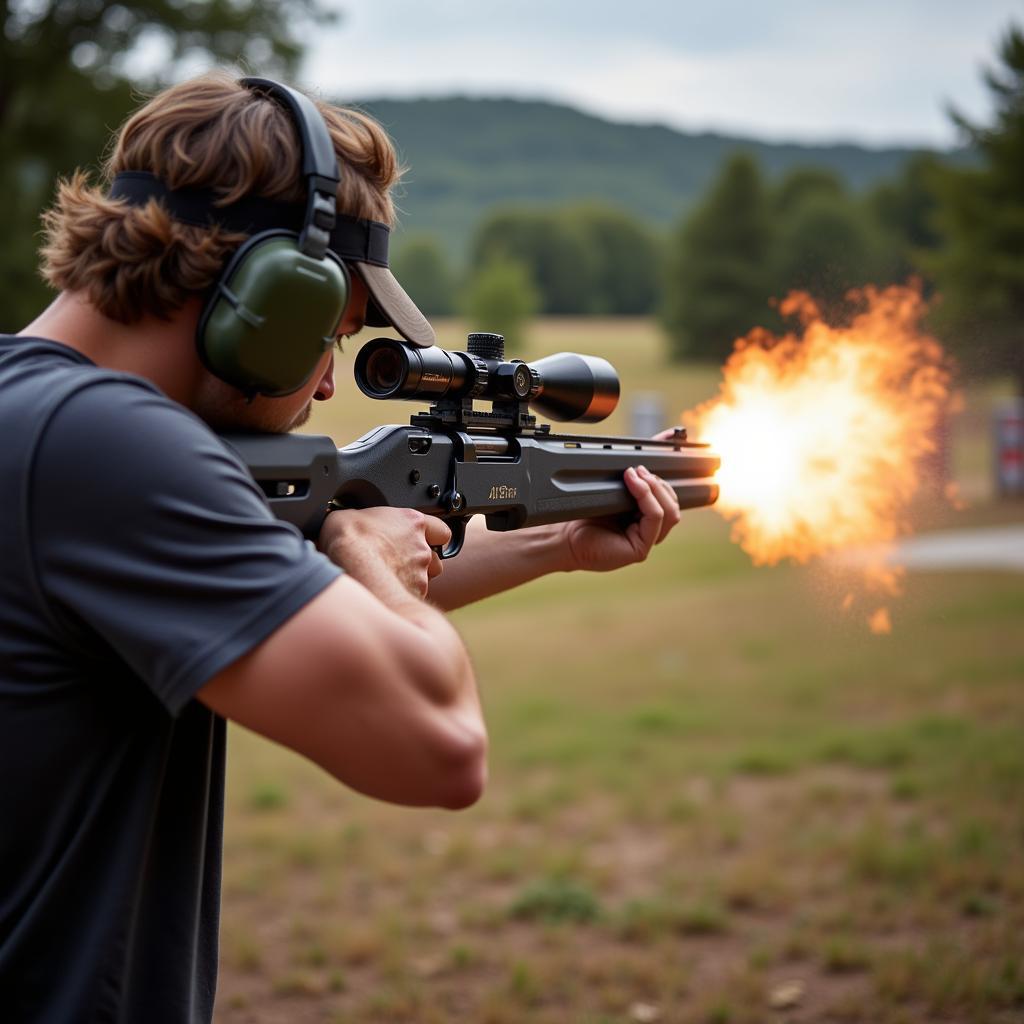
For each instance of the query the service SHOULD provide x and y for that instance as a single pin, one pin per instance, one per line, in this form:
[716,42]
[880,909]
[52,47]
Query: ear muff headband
[352,238]
[272,312]
[319,162]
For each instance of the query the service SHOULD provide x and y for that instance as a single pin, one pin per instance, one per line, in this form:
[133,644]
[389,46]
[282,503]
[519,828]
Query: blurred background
[715,797]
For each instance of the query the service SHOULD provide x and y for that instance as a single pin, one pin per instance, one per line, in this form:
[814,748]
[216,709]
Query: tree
[625,260]
[826,246]
[802,183]
[67,71]
[718,275]
[421,267]
[585,259]
[826,241]
[555,253]
[905,209]
[501,298]
[979,270]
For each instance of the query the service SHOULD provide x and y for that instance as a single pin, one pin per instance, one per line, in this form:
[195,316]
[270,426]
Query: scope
[563,387]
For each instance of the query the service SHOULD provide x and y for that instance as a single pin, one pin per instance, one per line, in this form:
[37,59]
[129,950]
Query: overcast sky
[877,71]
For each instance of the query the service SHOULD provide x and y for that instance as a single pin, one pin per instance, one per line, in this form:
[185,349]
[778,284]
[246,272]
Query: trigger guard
[454,546]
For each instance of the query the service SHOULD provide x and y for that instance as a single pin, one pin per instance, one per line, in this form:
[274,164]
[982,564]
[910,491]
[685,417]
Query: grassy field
[714,797]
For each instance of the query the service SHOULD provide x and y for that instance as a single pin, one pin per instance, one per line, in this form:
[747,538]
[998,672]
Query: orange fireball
[822,431]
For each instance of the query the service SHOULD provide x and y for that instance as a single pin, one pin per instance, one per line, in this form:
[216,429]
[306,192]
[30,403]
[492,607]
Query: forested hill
[466,156]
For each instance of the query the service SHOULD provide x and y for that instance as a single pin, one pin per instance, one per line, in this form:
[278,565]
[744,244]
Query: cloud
[875,72]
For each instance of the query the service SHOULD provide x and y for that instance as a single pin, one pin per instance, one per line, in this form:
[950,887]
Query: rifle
[455,461]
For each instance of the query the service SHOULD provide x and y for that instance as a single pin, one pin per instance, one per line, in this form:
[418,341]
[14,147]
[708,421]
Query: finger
[437,532]
[436,566]
[643,534]
[667,499]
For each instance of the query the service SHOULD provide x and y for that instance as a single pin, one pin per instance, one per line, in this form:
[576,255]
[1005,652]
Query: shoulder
[124,410]
[116,453]
[119,426]
[55,397]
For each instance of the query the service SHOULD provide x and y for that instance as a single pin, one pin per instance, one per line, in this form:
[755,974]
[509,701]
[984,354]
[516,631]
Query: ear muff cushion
[272,315]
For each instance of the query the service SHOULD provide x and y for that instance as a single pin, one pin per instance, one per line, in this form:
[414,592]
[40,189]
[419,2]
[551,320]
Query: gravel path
[994,547]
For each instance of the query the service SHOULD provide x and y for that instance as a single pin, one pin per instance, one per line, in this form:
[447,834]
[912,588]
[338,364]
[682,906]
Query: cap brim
[389,305]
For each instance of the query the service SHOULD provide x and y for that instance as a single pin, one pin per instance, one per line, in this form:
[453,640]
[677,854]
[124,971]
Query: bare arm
[491,563]
[367,680]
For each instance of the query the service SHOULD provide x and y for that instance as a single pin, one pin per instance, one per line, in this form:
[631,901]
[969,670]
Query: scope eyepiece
[386,368]
[562,387]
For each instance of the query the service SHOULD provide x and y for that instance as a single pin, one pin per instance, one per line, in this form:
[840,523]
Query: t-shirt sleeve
[150,536]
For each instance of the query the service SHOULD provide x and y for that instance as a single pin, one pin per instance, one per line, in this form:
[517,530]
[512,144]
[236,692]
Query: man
[148,594]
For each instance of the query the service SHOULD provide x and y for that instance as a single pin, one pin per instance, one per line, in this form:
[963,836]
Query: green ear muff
[272,315]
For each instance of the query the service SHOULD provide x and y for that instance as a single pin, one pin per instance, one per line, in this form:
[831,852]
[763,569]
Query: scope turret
[563,387]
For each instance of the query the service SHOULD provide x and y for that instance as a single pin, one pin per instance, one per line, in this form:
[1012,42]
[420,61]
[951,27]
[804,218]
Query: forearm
[436,638]
[491,563]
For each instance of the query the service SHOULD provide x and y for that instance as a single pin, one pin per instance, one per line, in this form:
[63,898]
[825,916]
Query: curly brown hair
[209,132]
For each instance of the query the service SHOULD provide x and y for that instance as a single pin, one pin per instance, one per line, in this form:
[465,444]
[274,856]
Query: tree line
[749,241]
[712,276]
[584,260]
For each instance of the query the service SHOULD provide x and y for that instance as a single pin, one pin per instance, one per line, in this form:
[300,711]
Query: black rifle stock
[456,461]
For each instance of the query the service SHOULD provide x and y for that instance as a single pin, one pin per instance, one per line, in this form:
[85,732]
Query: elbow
[462,769]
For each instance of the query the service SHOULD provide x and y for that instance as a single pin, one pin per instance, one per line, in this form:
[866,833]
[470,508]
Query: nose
[325,389]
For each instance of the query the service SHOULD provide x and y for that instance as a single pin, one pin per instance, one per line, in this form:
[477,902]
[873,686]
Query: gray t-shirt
[137,559]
